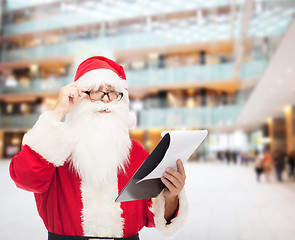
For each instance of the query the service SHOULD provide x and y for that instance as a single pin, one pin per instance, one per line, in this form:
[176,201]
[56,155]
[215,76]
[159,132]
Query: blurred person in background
[267,164]
[244,158]
[291,162]
[235,156]
[279,163]
[258,164]
[219,156]
[228,156]
[77,168]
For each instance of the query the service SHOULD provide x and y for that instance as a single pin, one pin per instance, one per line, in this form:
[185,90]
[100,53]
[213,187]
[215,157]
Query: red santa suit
[70,206]
[67,206]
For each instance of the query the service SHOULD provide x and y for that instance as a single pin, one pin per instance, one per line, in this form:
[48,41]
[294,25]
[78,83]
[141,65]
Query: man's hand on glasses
[69,96]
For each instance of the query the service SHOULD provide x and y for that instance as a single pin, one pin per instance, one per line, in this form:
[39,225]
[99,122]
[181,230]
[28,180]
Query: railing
[18,121]
[72,14]
[161,37]
[179,35]
[15,5]
[37,85]
[56,50]
[153,77]
[225,115]
[160,117]
[191,74]
[252,69]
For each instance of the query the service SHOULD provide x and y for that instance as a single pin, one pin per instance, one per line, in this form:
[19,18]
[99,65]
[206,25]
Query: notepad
[174,145]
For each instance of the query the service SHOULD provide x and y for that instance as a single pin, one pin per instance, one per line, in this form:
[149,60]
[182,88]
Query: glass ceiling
[269,21]
[125,7]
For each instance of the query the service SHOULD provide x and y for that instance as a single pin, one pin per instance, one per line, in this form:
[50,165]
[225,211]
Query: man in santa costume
[76,168]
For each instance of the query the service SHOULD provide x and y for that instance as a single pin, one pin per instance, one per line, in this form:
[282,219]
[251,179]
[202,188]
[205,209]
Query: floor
[226,202]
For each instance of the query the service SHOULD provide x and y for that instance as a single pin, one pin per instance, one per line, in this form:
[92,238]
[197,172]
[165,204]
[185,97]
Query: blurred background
[222,65]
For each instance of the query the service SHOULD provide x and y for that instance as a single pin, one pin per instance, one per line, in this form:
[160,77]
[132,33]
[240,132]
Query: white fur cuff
[158,209]
[51,138]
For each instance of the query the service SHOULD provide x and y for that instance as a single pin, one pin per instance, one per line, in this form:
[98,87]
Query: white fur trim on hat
[158,209]
[94,78]
[50,138]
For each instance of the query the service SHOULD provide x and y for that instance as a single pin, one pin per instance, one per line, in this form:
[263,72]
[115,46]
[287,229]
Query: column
[1,144]
[2,49]
[290,128]
[277,134]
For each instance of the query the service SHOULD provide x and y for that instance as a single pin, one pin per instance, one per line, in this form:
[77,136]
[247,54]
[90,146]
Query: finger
[77,87]
[176,174]
[180,167]
[80,89]
[168,184]
[84,89]
[173,180]
[72,93]
[79,96]
[76,96]
[71,84]
[82,97]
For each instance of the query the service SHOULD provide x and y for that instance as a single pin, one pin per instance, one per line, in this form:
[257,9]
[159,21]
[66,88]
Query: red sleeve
[150,216]
[30,171]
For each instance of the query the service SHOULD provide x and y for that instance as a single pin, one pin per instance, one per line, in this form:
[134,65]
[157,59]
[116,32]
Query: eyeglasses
[99,95]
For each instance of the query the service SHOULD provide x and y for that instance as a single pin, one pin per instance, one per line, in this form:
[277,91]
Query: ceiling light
[264,140]
[34,67]
[269,120]
[287,109]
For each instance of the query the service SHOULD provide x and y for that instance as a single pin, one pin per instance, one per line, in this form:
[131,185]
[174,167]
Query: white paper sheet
[182,145]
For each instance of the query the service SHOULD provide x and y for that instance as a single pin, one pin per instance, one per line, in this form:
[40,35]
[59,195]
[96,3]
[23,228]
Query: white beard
[103,141]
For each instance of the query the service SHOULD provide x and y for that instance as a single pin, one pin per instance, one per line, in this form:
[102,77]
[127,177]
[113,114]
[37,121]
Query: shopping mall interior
[225,66]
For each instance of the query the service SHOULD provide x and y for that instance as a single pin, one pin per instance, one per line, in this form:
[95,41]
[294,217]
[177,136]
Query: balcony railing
[143,6]
[18,121]
[153,77]
[267,24]
[160,117]
[23,54]
[36,85]
[191,74]
[252,69]
[74,15]
[15,5]
[190,117]
[157,38]
[144,39]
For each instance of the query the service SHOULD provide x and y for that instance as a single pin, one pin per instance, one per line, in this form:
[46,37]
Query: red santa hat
[98,70]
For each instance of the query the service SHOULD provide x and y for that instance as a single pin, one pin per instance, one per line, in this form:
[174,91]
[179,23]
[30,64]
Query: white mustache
[101,106]
[94,107]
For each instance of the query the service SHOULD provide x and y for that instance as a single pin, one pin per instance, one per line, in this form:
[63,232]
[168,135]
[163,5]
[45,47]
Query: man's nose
[105,99]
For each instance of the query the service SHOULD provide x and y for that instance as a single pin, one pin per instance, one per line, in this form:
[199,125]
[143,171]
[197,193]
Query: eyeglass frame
[106,93]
